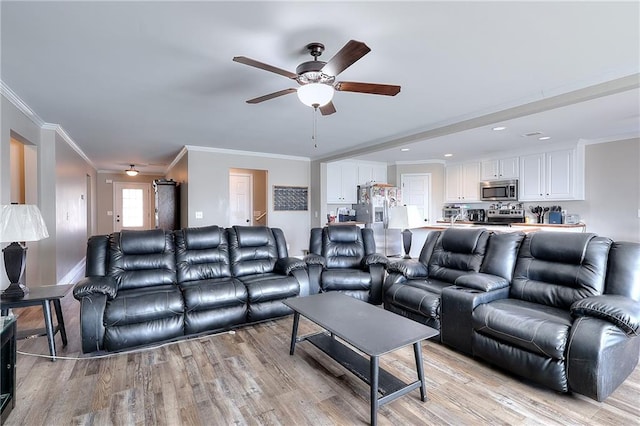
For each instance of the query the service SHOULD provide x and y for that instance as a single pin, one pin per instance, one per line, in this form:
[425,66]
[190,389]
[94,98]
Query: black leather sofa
[559,309]
[343,258]
[143,287]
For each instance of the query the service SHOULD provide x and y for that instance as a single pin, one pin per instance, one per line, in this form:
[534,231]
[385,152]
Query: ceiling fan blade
[263,66]
[270,96]
[350,52]
[374,89]
[328,109]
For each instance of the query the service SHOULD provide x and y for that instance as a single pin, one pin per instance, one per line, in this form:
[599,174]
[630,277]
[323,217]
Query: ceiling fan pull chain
[314,136]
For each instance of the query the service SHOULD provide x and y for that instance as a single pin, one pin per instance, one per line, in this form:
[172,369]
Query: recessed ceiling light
[499,128]
[404,149]
[544,138]
[526,135]
[448,155]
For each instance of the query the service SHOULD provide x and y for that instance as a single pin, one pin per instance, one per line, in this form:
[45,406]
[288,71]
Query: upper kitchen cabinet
[554,175]
[462,182]
[504,168]
[342,182]
[372,172]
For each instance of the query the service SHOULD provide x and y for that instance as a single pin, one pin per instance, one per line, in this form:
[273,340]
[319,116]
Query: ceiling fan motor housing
[311,72]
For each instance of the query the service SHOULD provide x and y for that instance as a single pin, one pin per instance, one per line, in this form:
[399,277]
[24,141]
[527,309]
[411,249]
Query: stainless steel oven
[499,190]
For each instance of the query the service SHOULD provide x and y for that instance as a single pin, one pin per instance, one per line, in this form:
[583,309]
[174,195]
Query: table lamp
[19,223]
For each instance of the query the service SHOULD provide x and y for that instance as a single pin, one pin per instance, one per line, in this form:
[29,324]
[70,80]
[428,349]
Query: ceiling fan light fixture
[315,94]
[132,171]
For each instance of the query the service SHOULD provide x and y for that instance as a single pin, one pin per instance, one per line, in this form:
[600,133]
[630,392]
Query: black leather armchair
[259,259]
[343,258]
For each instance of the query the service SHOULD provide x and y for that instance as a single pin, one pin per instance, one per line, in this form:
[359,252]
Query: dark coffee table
[371,330]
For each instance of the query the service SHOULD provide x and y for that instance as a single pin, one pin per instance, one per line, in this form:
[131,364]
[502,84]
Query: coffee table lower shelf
[389,386]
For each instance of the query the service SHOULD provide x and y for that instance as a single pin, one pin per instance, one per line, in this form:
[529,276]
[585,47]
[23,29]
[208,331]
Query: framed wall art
[294,198]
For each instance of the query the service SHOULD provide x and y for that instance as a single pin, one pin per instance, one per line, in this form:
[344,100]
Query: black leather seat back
[457,252]
[502,253]
[142,258]
[202,253]
[623,270]
[558,268]
[343,246]
[97,256]
[252,249]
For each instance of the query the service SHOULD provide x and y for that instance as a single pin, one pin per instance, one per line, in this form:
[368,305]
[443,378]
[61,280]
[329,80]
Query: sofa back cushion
[458,251]
[202,253]
[97,256]
[142,258]
[623,270]
[558,268]
[502,253]
[342,246]
[252,250]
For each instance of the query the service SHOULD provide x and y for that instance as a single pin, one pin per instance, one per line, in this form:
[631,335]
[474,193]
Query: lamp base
[15,291]
[406,242]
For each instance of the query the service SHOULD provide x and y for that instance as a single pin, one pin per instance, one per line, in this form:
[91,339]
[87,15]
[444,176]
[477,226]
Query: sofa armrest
[96,285]
[622,311]
[375,259]
[481,281]
[286,265]
[410,268]
[315,259]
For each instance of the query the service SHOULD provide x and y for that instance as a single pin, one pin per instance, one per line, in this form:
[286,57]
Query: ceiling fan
[317,79]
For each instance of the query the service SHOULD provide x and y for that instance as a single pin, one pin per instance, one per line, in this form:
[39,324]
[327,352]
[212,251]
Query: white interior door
[131,206]
[416,191]
[240,199]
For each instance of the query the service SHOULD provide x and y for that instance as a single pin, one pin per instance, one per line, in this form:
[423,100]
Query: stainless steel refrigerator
[374,202]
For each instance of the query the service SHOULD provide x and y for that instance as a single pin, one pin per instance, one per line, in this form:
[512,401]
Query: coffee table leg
[48,322]
[373,366]
[417,350]
[63,331]
[294,332]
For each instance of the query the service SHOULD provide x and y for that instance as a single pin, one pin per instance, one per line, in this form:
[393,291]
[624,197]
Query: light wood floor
[248,378]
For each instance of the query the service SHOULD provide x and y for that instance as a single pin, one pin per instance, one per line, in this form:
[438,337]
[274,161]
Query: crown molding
[409,162]
[245,153]
[181,154]
[12,97]
[65,136]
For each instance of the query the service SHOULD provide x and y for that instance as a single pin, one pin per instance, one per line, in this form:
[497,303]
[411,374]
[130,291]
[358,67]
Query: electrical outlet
[199,215]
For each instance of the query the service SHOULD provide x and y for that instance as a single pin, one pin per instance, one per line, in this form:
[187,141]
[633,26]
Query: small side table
[8,373]
[42,296]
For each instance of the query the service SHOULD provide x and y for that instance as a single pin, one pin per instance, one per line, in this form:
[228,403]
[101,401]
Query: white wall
[208,190]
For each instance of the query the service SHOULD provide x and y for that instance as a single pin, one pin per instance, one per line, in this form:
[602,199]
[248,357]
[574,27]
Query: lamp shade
[21,222]
[398,218]
[132,171]
[315,94]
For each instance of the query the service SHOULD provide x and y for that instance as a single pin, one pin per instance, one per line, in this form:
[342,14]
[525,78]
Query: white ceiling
[133,82]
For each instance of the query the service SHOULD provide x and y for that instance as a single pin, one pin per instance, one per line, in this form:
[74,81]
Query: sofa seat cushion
[345,279]
[213,293]
[418,296]
[536,328]
[144,304]
[267,287]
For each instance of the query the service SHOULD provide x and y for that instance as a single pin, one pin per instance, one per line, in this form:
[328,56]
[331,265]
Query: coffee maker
[476,215]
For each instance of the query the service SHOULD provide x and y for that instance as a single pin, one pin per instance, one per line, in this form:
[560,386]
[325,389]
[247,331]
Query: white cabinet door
[379,173]
[334,183]
[559,173]
[365,173]
[531,177]
[470,189]
[489,170]
[453,176]
[349,183]
[509,168]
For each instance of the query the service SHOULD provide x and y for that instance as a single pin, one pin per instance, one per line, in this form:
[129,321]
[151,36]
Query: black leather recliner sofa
[343,258]
[559,309]
[143,287]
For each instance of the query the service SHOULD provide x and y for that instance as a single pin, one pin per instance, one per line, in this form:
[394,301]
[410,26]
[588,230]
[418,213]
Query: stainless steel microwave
[499,190]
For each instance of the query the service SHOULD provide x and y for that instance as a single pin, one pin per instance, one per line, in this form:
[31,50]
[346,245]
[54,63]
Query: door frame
[117,188]
[427,208]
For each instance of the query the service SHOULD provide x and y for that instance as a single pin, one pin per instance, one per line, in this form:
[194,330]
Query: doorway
[247,197]
[416,191]
[131,204]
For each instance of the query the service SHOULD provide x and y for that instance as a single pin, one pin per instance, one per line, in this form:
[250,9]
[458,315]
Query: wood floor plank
[249,378]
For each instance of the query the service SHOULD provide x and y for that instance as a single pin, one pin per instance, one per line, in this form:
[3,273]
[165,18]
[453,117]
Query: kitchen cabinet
[342,182]
[462,182]
[504,168]
[368,172]
[548,176]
